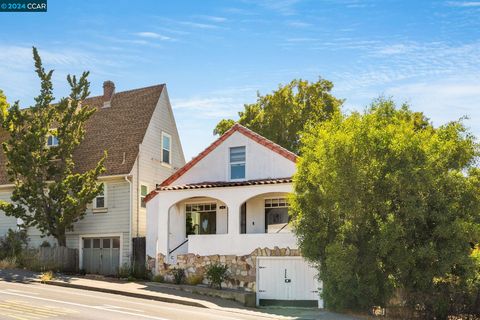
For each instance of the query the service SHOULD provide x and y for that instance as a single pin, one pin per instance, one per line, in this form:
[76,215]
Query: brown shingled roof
[118,129]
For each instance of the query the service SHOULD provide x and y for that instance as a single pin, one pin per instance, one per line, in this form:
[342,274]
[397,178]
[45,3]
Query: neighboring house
[229,205]
[138,130]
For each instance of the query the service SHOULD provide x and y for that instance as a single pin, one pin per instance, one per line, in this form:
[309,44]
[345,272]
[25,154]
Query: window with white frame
[143,194]
[166,148]
[100,201]
[237,163]
[201,218]
[276,215]
[52,139]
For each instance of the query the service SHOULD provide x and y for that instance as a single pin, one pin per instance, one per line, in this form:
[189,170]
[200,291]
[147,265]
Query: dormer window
[237,163]
[52,140]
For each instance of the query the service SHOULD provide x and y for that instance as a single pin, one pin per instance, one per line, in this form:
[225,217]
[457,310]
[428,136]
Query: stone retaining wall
[242,269]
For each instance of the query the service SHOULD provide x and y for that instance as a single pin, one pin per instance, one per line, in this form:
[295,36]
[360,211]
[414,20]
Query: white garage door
[287,281]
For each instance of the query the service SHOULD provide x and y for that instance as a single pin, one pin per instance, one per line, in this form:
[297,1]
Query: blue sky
[215,55]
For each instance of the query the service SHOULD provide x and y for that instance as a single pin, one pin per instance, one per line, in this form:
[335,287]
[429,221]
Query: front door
[101,255]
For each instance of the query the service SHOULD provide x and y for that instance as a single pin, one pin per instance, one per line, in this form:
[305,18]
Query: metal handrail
[181,244]
[286,224]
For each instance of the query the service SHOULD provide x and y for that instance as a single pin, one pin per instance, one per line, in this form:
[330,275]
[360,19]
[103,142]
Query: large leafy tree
[49,193]
[387,203]
[281,115]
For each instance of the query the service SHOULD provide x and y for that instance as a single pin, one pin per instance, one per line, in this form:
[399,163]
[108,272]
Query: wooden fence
[61,258]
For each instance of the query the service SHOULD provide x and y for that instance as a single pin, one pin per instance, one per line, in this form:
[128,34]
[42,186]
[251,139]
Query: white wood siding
[261,163]
[151,170]
[6,222]
[35,238]
[114,221]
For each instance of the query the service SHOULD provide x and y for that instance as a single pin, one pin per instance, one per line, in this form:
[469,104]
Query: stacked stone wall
[242,269]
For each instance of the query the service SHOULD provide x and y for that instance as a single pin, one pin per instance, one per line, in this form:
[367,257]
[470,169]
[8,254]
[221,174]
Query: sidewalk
[165,293]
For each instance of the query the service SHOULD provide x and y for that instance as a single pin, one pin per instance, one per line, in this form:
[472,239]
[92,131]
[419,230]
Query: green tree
[283,114]
[48,193]
[387,203]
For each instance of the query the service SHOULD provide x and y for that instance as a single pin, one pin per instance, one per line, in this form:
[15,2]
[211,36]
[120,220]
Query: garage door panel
[101,255]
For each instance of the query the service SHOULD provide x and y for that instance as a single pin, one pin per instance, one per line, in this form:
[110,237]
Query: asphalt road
[34,301]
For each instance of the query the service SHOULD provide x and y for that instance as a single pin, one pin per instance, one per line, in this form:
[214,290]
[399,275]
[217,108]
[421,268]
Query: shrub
[139,271]
[384,200]
[8,263]
[216,274]
[45,244]
[47,276]
[194,279]
[158,278]
[124,271]
[178,275]
[13,243]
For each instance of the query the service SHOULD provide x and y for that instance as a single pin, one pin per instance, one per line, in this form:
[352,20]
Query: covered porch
[220,220]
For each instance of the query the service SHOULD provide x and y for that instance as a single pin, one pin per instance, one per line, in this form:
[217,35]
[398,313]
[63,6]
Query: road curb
[124,293]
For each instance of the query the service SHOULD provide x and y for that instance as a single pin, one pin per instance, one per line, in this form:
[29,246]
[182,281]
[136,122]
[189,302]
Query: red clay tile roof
[218,184]
[118,129]
[236,128]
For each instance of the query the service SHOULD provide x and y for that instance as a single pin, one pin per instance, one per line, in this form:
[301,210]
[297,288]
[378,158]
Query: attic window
[166,148]
[237,163]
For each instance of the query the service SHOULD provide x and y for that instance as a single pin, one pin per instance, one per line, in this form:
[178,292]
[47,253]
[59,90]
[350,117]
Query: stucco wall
[158,228]
[261,163]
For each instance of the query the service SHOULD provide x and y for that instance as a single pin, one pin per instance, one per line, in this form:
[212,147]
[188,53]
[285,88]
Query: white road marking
[117,307]
[21,291]
[84,305]
[164,305]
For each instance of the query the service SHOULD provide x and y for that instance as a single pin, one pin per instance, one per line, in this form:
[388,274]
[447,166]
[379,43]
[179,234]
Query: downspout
[138,189]
[130,245]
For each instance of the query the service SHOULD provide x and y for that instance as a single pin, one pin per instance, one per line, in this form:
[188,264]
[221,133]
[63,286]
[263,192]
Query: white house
[230,205]
[138,130]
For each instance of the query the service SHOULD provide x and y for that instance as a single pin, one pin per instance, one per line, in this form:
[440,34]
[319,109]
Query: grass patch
[8,263]
[47,276]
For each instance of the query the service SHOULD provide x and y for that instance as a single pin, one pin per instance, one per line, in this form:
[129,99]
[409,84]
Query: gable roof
[119,129]
[235,128]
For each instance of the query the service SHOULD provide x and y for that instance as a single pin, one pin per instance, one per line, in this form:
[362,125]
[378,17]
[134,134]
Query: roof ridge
[131,90]
[276,145]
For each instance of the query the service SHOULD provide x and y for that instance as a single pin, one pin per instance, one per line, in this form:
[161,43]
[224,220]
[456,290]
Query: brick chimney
[108,92]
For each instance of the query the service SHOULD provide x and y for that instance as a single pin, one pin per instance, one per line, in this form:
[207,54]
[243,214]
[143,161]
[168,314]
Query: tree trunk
[62,240]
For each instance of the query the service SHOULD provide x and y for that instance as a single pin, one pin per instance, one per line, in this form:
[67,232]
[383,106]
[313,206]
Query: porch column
[233,216]
[163,228]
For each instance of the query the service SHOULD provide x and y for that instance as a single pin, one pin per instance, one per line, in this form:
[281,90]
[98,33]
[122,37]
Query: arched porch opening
[194,217]
[265,213]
